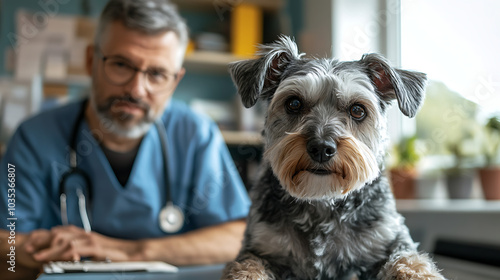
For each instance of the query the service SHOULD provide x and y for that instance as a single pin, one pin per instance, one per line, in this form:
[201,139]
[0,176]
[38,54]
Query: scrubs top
[204,181]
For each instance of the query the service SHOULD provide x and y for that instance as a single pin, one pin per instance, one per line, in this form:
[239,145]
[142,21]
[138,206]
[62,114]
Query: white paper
[62,267]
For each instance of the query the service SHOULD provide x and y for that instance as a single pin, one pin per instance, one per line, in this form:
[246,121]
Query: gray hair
[148,16]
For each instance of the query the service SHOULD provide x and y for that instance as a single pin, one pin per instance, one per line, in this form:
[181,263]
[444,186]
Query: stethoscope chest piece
[171,218]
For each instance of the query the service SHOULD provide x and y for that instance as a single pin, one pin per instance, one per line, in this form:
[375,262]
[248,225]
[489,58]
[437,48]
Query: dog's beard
[353,166]
[119,124]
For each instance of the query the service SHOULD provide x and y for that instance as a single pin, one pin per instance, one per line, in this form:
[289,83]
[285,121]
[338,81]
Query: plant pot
[428,187]
[459,185]
[490,182]
[403,183]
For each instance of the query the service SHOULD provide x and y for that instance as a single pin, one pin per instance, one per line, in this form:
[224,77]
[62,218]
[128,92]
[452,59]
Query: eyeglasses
[120,71]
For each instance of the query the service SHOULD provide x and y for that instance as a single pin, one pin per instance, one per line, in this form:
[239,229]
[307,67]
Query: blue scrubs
[204,181]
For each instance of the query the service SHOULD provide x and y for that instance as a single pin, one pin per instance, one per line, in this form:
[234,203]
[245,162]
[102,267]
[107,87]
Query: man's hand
[26,266]
[70,243]
[30,243]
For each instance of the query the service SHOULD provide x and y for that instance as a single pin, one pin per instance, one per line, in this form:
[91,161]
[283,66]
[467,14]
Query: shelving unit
[203,61]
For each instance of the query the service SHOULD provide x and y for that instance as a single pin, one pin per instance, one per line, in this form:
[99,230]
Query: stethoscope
[170,218]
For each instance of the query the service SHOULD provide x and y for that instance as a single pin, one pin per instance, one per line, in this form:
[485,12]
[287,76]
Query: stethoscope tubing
[170,218]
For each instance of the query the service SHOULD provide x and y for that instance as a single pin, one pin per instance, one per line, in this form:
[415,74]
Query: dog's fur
[329,215]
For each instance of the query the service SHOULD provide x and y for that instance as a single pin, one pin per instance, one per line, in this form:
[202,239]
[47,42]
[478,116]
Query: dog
[321,206]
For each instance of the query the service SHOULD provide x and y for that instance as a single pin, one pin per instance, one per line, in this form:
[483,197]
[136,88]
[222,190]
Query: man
[135,65]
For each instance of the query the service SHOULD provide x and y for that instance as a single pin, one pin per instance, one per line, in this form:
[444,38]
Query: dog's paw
[249,269]
[412,266]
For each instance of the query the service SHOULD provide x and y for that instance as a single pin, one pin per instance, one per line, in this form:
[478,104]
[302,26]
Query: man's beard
[116,123]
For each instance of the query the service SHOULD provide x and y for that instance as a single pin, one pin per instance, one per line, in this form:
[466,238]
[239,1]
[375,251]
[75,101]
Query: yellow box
[246,29]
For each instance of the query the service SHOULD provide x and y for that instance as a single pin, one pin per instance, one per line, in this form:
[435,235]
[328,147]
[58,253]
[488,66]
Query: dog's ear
[258,77]
[408,87]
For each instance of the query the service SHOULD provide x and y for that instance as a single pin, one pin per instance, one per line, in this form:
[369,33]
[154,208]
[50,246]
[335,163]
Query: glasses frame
[136,70]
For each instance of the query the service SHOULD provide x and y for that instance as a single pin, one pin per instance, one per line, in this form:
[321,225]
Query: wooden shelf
[242,138]
[209,61]
[226,5]
[79,80]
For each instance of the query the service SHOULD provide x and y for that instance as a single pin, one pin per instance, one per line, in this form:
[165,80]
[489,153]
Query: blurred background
[444,165]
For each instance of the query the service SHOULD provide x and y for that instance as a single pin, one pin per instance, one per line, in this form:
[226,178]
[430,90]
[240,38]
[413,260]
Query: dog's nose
[321,151]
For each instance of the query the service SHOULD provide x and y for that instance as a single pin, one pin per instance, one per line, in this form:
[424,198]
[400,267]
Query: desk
[210,272]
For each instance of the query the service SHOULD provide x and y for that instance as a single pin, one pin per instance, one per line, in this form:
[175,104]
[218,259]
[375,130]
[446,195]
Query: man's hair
[148,16]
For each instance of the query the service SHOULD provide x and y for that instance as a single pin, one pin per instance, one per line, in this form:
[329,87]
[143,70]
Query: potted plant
[403,173]
[489,174]
[465,150]
[428,183]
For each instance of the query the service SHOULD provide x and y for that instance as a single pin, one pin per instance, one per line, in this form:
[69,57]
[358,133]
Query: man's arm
[21,265]
[215,244]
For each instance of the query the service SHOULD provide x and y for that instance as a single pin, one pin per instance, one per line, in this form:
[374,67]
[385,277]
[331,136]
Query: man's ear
[89,59]
[408,87]
[259,77]
[178,77]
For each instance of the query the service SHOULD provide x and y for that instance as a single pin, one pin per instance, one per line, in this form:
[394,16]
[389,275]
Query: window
[456,43]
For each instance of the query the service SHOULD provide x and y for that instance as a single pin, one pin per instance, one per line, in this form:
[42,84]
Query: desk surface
[211,272]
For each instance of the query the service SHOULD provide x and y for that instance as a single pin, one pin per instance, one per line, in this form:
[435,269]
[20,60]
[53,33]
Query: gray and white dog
[321,207]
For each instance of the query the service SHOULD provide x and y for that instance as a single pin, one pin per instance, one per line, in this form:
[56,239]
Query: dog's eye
[358,112]
[293,105]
